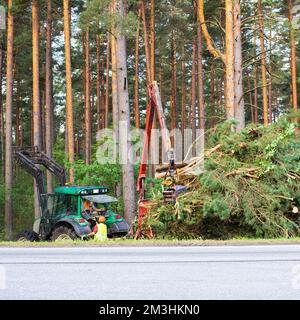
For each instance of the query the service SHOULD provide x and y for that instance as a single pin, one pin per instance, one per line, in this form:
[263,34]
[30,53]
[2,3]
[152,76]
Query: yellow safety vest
[101,234]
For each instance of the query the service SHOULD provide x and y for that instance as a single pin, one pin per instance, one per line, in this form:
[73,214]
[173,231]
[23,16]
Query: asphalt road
[228,272]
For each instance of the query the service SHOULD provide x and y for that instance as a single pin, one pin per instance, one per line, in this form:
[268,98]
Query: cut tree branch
[209,42]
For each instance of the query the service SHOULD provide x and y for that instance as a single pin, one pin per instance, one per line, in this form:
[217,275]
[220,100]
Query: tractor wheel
[63,233]
[27,236]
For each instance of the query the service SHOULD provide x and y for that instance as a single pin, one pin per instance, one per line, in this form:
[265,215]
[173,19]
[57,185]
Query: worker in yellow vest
[100,229]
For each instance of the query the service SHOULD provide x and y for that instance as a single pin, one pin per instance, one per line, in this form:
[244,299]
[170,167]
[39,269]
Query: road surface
[227,272]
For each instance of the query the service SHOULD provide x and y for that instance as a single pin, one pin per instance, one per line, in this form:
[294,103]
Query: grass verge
[154,242]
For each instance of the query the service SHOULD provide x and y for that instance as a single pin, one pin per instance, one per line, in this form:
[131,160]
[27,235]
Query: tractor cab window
[67,204]
[59,205]
[48,205]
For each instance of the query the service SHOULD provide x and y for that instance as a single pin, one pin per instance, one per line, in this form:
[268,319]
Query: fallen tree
[250,186]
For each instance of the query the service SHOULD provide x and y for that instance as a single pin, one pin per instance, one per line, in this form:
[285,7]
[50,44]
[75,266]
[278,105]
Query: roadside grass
[149,243]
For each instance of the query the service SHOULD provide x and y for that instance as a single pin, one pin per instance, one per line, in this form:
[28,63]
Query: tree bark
[114,80]
[263,63]
[35,75]
[209,42]
[98,85]
[250,100]
[173,110]
[107,81]
[69,102]
[48,93]
[102,94]
[18,107]
[293,59]
[146,42]
[270,100]
[255,83]
[124,116]
[255,96]
[161,83]
[8,127]
[37,134]
[238,68]
[2,142]
[136,75]
[87,101]
[193,97]
[183,98]
[212,95]
[229,61]
[152,39]
[200,82]
[83,87]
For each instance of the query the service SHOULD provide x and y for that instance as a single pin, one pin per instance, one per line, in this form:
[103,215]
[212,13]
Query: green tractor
[64,214]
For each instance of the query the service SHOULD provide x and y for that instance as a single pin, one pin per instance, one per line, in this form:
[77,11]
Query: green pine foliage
[231,200]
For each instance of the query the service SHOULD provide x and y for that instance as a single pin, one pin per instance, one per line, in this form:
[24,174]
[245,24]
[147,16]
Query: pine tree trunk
[102,94]
[201,123]
[255,82]
[220,95]
[69,100]
[48,93]
[212,95]
[98,85]
[200,82]
[293,58]
[43,113]
[229,61]
[87,101]
[8,127]
[37,134]
[35,75]
[124,116]
[238,68]
[270,100]
[136,75]
[263,63]
[251,100]
[161,85]
[83,85]
[193,96]
[154,158]
[146,43]
[18,106]
[107,81]
[276,113]
[21,115]
[173,110]
[183,98]
[152,39]
[2,142]
[114,82]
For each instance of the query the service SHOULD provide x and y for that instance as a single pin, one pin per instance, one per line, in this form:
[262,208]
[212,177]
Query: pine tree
[8,125]
[69,98]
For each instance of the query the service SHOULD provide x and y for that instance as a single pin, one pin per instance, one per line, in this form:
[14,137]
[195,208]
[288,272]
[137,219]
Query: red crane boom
[169,187]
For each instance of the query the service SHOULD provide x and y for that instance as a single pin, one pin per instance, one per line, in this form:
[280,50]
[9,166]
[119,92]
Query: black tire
[63,233]
[27,236]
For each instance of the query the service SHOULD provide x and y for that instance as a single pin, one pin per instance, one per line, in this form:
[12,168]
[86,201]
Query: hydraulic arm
[169,184]
[30,158]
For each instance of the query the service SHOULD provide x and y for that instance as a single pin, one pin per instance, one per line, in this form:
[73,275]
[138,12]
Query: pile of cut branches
[250,186]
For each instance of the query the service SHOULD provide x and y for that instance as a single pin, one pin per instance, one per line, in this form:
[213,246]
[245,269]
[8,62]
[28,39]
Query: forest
[227,71]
